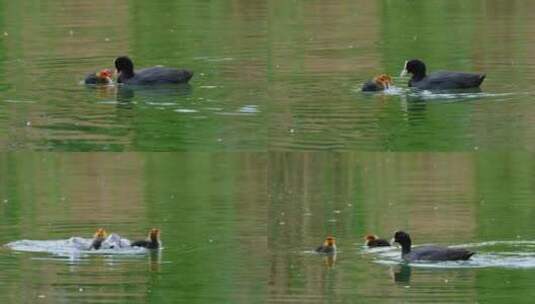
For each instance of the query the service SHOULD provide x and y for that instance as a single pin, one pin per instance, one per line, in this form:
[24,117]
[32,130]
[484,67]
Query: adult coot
[429,253]
[152,241]
[102,77]
[328,247]
[375,241]
[439,80]
[154,75]
[379,83]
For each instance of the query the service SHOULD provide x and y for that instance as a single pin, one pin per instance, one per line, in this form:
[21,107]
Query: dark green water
[271,148]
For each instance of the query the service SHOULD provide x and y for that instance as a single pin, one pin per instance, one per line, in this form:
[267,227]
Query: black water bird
[149,76]
[429,253]
[442,80]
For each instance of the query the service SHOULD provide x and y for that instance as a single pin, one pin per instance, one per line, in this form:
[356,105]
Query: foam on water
[249,109]
[425,95]
[393,90]
[429,95]
[77,246]
[503,254]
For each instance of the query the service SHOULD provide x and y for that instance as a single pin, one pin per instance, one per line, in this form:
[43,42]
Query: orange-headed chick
[101,77]
[328,247]
[152,241]
[98,238]
[374,241]
[383,81]
[105,73]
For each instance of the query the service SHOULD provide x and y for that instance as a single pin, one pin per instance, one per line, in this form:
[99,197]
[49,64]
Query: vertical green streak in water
[32,187]
[3,25]
[505,180]
[286,37]
[439,32]
[180,193]
[3,86]
[172,29]
[9,195]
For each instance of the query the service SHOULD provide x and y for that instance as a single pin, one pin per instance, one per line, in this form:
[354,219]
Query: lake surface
[271,148]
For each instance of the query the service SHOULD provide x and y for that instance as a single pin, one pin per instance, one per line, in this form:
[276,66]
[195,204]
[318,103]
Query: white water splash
[76,246]
[185,111]
[249,109]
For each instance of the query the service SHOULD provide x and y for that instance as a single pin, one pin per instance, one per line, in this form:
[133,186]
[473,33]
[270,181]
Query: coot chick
[102,77]
[374,241]
[98,238]
[152,241]
[328,247]
[379,83]
[429,253]
[439,80]
[149,76]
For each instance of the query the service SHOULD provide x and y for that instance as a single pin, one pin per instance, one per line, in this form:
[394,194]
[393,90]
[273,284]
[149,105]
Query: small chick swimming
[379,83]
[375,241]
[102,77]
[98,238]
[328,247]
[152,241]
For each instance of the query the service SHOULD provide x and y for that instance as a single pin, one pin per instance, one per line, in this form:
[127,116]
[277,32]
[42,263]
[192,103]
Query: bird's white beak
[392,241]
[404,72]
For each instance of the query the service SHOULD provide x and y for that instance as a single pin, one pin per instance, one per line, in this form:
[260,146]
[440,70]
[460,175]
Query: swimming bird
[375,241]
[428,253]
[98,238]
[149,76]
[152,241]
[101,77]
[379,83]
[442,80]
[328,247]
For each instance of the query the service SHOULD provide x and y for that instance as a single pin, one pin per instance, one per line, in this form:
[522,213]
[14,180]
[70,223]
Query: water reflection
[153,95]
[401,274]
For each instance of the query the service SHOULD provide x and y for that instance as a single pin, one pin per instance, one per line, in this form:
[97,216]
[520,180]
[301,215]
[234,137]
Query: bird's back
[378,243]
[434,253]
[444,80]
[160,75]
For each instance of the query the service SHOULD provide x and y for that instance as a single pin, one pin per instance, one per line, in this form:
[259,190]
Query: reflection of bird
[429,253]
[374,241]
[379,83]
[401,274]
[152,242]
[439,80]
[328,247]
[98,238]
[102,77]
[330,260]
[149,76]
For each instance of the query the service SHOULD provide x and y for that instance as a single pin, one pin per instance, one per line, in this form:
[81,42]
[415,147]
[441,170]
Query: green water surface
[270,148]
